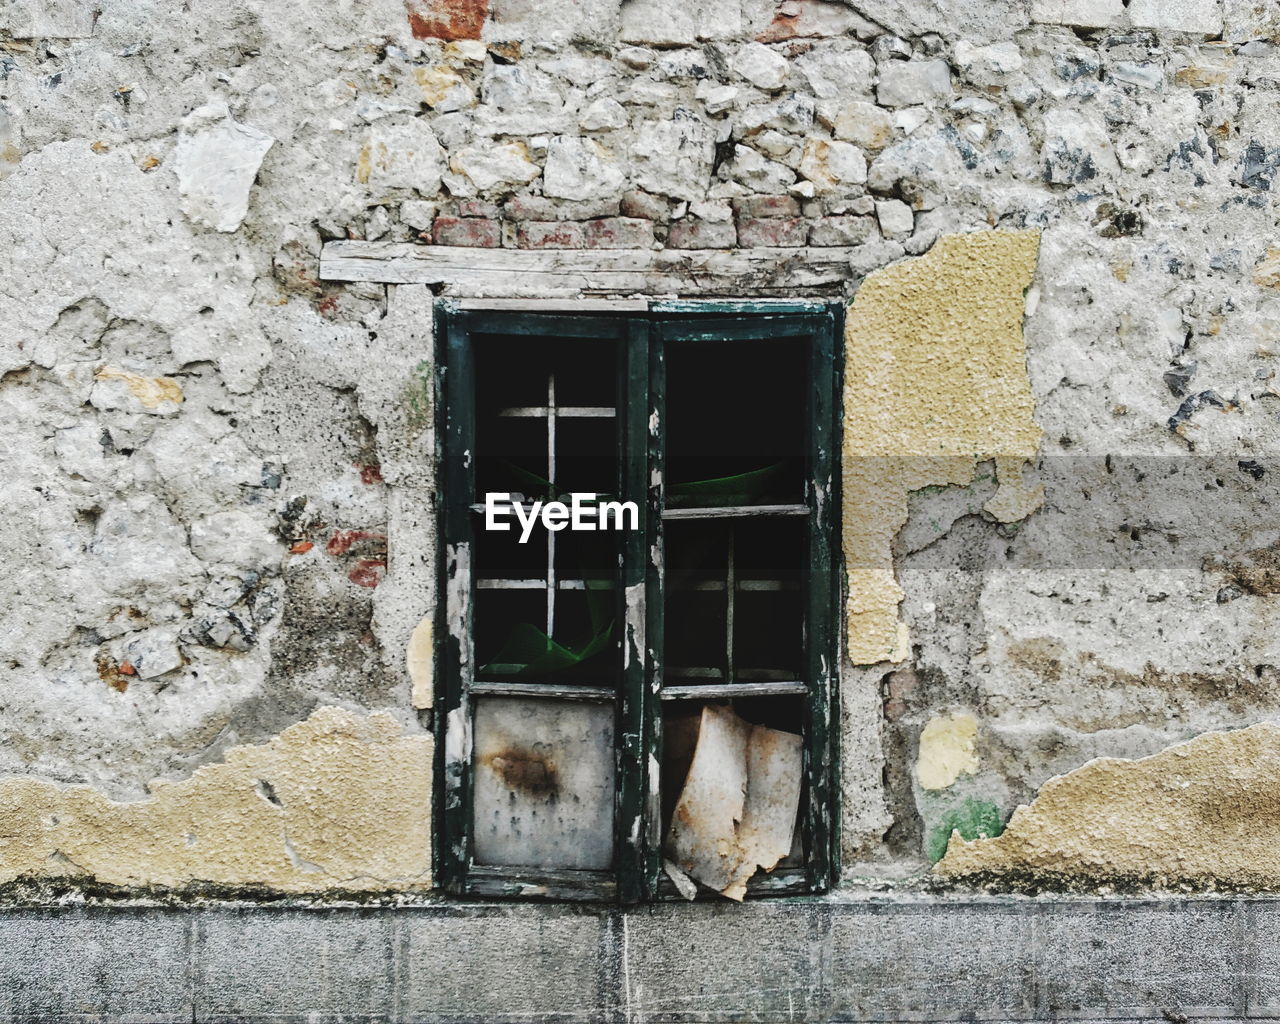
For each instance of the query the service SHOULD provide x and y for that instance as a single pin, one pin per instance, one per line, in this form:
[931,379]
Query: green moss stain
[973,819]
[417,397]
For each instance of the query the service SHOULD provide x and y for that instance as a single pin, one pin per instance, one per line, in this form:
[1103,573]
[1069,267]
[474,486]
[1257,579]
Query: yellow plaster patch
[935,380]
[338,801]
[152,392]
[418,661]
[1201,814]
[947,750]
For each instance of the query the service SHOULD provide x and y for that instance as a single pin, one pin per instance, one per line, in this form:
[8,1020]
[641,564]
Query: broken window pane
[735,809]
[735,423]
[544,786]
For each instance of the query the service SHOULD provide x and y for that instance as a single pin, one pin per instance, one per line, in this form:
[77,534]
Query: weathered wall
[219,500]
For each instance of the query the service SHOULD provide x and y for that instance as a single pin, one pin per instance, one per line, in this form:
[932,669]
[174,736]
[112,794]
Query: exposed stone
[1198,17]
[401,156]
[988,65]
[906,83]
[838,74]
[809,18]
[833,166]
[605,113]
[1075,149]
[758,172]
[581,169]
[863,124]
[844,230]
[716,99]
[1085,13]
[674,157]
[895,217]
[216,161]
[762,66]
[443,88]
[499,168]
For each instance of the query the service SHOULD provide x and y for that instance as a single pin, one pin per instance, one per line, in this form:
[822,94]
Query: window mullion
[636,850]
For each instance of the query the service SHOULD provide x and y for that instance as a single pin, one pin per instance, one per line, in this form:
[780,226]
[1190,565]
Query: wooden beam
[480,273]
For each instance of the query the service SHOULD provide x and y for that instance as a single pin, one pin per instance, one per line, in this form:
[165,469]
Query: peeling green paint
[973,819]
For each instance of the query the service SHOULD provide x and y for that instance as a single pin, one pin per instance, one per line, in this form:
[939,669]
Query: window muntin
[720,427]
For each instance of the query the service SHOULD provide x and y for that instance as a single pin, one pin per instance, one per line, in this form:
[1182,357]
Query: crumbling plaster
[219,511]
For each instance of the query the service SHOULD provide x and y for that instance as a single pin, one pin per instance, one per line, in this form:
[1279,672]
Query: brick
[842,230]
[771,231]
[446,19]
[619,233]
[550,234]
[542,208]
[637,203]
[477,232]
[478,208]
[694,233]
[766,206]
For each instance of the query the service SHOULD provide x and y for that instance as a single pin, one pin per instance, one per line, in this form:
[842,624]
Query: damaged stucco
[220,504]
[935,381]
[1200,815]
[338,802]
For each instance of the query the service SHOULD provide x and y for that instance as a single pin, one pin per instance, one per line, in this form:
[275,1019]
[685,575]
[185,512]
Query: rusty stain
[111,673]
[1255,572]
[526,772]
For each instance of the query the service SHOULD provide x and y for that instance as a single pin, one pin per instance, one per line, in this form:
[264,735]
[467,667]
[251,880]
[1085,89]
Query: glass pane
[543,783]
[736,417]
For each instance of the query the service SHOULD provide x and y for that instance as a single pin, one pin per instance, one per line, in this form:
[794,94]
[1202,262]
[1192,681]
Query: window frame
[643,331]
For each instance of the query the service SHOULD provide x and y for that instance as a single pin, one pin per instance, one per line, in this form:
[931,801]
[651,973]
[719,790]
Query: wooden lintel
[495,273]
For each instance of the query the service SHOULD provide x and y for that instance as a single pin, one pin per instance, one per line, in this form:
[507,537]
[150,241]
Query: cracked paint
[1201,814]
[336,802]
[935,381]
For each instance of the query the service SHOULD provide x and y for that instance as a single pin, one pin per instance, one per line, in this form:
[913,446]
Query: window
[607,694]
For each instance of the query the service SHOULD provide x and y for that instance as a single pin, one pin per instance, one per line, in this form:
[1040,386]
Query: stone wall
[218,512]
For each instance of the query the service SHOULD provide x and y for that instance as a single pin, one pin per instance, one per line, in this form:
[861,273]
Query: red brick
[771,231]
[477,208]
[619,233]
[446,19]
[543,208]
[476,232]
[550,234]
[692,233]
[842,230]
[766,206]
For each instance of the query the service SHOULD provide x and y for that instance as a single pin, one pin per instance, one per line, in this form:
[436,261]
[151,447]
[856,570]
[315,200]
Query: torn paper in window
[737,810]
